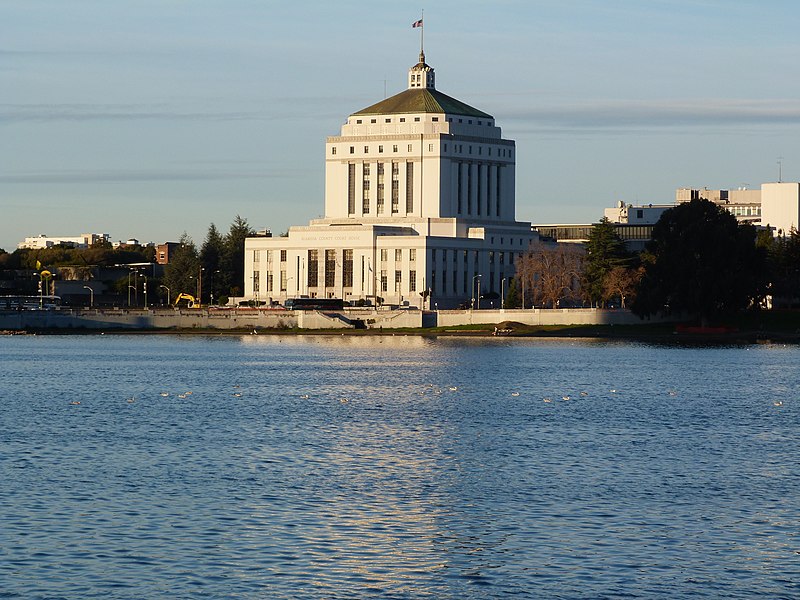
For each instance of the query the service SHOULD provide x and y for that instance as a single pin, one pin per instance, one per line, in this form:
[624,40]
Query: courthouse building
[419,203]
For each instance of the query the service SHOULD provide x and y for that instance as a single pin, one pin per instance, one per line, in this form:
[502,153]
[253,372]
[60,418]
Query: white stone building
[419,196]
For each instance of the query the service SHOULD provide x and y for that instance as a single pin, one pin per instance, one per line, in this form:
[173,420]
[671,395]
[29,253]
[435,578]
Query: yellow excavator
[192,302]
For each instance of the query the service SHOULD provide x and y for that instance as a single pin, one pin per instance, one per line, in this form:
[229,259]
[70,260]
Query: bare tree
[621,283]
[551,274]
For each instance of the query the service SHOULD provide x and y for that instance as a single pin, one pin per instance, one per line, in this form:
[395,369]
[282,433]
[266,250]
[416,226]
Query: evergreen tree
[211,253]
[701,262]
[605,251]
[233,256]
[512,299]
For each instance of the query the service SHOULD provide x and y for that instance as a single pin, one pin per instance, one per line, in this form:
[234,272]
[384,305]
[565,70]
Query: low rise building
[42,241]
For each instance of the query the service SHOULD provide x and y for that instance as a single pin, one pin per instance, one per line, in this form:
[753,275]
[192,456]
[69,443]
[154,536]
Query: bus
[314,304]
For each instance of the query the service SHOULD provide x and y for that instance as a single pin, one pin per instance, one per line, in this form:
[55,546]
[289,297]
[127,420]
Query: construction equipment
[192,302]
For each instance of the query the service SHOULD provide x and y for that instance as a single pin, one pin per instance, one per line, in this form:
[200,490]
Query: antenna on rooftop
[780,169]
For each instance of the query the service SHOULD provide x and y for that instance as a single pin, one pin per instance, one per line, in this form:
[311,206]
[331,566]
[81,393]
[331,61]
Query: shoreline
[660,334]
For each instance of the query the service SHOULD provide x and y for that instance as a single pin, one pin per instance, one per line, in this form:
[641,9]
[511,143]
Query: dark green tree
[180,275]
[232,260]
[513,299]
[605,251]
[783,258]
[211,254]
[702,263]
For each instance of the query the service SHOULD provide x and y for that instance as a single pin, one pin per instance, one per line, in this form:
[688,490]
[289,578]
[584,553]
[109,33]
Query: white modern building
[79,241]
[419,200]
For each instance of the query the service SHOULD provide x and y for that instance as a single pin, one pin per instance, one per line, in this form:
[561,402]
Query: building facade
[419,208]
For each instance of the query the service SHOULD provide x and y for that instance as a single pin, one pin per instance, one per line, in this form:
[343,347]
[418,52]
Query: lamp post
[478,277]
[200,285]
[91,295]
[502,292]
[129,287]
[166,288]
[212,286]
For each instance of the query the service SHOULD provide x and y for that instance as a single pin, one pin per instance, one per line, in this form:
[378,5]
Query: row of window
[417,119]
[457,149]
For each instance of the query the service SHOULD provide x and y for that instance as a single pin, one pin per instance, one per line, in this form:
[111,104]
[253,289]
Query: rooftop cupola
[421,75]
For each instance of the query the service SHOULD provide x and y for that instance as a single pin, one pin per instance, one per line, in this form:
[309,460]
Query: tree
[701,262]
[180,275]
[551,274]
[783,262]
[232,261]
[211,253]
[605,251]
[621,283]
[512,299]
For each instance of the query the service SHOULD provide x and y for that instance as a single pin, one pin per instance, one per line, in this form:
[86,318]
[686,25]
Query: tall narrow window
[412,281]
[381,199]
[256,283]
[460,188]
[409,187]
[284,280]
[398,280]
[365,189]
[330,268]
[313,268]
[351,189]
[497,192]
[347,268]
[395,188]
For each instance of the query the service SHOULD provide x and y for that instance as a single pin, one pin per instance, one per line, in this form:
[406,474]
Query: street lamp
[91,295]
[166,288]
[200,285]
[478,277]
[502,292]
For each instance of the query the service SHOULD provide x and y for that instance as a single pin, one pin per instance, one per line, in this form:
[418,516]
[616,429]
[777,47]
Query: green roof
[422,100]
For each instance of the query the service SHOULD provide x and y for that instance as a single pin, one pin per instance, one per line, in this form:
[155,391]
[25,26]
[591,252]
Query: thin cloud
[638,116]
[139,176]
[16,113]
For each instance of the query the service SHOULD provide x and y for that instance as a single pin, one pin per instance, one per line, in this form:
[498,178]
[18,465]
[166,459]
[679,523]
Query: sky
[150,118]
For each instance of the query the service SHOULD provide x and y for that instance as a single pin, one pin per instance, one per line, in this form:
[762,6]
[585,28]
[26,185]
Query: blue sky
[148,118]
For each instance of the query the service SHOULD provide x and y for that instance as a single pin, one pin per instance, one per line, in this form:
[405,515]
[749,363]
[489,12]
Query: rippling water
[414,468]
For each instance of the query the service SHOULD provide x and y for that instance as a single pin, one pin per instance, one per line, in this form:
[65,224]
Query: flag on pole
[416,24]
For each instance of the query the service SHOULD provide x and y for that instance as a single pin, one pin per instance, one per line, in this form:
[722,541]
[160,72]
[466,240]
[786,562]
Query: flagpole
[422,34]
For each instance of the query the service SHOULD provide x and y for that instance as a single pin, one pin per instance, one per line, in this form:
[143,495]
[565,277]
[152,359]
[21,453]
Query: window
[409,147]
[434,119]
[416,119]
[373,121]
[412,281]
[358,121]
[445,147]
[384,255]
[351,188]
[398,255]
[395,188]
[283,255]
[381,195]
[269,256]
[347,268]
[409,187]
[402,119]
[380,149]
[333,150]
[412,254]
[255,282]
[388,121]
[269,282]
[256,256]
[384,282]
[433,255]
[330,268]
[366,149]
[639,213]
[313,268]
[398,280]
[430,147]
[352,149]
[365,189]
[394,148]
[283,281]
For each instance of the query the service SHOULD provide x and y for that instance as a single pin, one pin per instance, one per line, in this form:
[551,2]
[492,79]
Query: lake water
[396,467]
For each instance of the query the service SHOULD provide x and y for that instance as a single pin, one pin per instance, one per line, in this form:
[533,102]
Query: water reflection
[432,480]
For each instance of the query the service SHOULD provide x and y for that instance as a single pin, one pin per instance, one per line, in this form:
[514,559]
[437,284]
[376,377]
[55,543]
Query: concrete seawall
[249,319]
